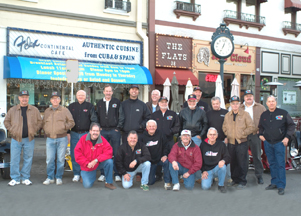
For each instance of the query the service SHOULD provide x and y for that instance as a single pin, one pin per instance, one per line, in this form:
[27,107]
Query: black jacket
[83,114]
[193,120]
[108,120]
[125,156]
[275,126]
[133,115]
[169,124]
[150,106]
[156,145]
[216,119]
[201,104]
[212,154]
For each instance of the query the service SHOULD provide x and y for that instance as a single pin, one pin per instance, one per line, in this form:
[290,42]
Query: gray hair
[81,91]
[93,124]
[215,98]
[212,128]
[108,86]
[132,132]
[151,120]
[156,90]
[271,96]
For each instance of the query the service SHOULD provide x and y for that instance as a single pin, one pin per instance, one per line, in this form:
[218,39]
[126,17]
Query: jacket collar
[19,106]
[191,145]
[88,137]
[239,112]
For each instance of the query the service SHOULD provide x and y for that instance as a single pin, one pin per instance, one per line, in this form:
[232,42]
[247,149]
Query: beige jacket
[258,109]
[240,128]
[57,122]
[14,122]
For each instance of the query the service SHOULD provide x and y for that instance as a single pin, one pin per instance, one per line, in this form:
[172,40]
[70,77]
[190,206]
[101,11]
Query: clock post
[222,46]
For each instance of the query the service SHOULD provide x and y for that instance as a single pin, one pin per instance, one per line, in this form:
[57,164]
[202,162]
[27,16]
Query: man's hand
[226,140]
[133,164]
[127,177]
[285,141]
[68,138]
[164,158]
[221,163]
[199,137]
[91,164]
[186,175]
[175,165]
[205,175]
[262,138]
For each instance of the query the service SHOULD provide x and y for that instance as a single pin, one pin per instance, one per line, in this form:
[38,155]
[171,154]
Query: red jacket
[190,159]
[84,152]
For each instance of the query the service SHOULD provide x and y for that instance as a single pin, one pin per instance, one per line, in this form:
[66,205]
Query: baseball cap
[248,92]
[234,98]
[134,86]
[197,88]
[186,132]
[191,97]
[24,92]
[55,93]
[163,98]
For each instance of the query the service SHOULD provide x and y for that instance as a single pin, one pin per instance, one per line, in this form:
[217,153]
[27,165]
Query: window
[124,6]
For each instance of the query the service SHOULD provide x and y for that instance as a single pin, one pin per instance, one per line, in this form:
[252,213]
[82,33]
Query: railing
[290,25]
[184,6]
[244,17]
[119,5]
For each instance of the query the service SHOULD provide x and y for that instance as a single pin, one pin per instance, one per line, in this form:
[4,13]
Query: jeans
[55,147]
[197,141]
[276,158]
[74,140]
[113,137]
[89,177]
[152,174]
[144,168]
[188,182]
[215,172]
[15,157]
[255,144]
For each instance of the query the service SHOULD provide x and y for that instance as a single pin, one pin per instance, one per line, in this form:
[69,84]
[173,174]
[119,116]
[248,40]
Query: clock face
[223,46]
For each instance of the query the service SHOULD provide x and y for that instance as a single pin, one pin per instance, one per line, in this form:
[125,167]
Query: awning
[48,69]
[181,75]
[292,5]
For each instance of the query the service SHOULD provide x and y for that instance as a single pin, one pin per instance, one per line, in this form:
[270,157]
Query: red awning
[292,4]
[181,75]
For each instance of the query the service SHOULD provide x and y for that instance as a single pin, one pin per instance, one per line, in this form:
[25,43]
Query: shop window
[118,6]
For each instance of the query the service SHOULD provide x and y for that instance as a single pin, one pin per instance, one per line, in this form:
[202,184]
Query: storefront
[241,65]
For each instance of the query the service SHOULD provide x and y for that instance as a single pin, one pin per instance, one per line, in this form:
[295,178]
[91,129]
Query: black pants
[255,144]
[239,162]
[170,144]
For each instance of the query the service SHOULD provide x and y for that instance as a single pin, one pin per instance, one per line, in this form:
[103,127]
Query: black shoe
[281,191]
[233,184]
[158,178]
[260,180]
[241,186]
[222,189]
[271,187]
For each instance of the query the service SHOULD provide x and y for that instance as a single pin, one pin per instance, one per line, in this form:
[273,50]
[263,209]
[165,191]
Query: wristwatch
[96,160]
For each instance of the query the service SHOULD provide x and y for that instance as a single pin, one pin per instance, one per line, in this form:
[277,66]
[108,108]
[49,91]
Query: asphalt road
[72,199]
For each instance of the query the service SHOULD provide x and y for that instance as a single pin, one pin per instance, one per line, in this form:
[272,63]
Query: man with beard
[197,91]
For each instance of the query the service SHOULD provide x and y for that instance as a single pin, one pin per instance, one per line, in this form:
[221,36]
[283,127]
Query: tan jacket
[14,122]
[258,109]
[57,122]
[240,128]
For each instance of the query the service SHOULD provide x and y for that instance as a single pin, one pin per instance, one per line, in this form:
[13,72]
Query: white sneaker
[13,183]
[59,182]
[167,186]
[101,178]
[76,178]
[48,181]
[27,182]
[176,187]
[117,179]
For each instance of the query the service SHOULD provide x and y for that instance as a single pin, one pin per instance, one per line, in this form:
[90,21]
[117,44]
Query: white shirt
[107,104]
[186,147]
[249,109]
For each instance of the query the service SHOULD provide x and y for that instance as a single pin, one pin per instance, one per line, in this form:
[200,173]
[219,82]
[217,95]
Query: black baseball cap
[55,94]
[248,92]
[134,86]
[234,98]
[191,97]
[163,98]
[24,92]
[197,88]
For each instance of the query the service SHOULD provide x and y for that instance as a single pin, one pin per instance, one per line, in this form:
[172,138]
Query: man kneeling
[93,152]
[133,157]
[215,157]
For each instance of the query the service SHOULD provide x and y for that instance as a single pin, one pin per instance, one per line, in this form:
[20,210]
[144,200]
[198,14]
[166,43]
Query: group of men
[209,140]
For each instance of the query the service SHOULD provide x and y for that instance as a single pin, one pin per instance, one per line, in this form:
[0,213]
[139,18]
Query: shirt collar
[249,106]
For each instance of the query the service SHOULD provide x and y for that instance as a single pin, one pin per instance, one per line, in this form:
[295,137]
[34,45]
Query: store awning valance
[292,5]
[181,75]
[48,69]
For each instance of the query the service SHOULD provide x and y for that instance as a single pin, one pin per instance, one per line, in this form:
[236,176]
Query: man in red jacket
[185,159]
[93,152]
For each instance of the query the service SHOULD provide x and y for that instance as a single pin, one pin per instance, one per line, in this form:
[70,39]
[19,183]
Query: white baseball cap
[186,132]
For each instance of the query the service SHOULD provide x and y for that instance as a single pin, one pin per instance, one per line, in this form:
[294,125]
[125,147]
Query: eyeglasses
[212,134]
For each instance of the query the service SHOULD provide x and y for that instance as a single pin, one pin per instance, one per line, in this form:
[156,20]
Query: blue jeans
[74,140]
[276,158]
[89,177]
[15,156]
[188,182]
[144,168]
[152,174]
[55,147]
[215,172]
[113,137]
[198,142]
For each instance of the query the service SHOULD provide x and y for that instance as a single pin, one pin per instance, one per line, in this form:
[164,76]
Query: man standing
[237,126]
[108,115]
[153,104]
[56,122]
[215,157]
[185,158]
[255,110]
[83,114]
[133,114]
[22,121]
[93,152]
[197,91]
[156,144]
[133,157]
[275,129]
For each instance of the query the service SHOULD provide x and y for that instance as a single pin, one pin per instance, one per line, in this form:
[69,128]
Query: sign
[289,97]
[211,78]
[62,46]
[173,51]
[72,71]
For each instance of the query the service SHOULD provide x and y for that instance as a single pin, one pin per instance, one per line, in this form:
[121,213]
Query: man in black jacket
[197,91]
[275,129]
[156,143]
[83,114]
[133,114]
[108,115]
[153,105]
[133,157]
